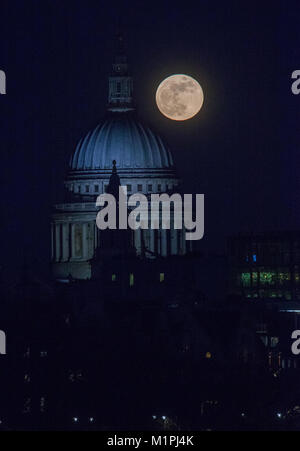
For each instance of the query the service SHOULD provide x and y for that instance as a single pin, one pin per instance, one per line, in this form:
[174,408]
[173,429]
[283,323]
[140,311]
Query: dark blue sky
[241,151]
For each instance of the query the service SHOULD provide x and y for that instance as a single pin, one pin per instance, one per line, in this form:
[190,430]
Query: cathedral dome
[123,138]
[120,147]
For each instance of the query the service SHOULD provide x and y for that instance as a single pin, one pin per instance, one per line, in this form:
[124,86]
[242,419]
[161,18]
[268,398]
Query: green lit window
[267,278]
[284,276]
[113,277]
[254,278]
[246,279]
[162,277]
[131,280]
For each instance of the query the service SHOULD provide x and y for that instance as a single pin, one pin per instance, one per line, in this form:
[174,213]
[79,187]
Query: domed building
[144,164]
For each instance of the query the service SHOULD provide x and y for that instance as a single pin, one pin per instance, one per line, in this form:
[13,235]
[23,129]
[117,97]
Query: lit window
[140,187]
[43,353]
[268,278]
[284,276]
[208,355]
[79,375]
[96,188]
[162,277]
[42,404]
[72,377]
[27,405]
[27,378]
[113,277]
[246,279]
[131,280]
[254,258]
[254,278]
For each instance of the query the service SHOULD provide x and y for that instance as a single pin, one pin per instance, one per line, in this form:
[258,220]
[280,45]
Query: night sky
[241,151]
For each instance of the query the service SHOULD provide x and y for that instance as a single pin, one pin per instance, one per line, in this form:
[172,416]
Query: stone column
[91,239]
[158,238]
[183,241]
[52,242]
[85,243]
[95,236]
[73,240]
[148,238]
[151,240]
[164,244]
[137,241]
[174,242]
[57,242]
[65,242]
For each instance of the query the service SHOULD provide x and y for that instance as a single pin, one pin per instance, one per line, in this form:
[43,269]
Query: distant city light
[75,419]
[279,415]
[289,311]
[91,419]
[154,417]
[164,417]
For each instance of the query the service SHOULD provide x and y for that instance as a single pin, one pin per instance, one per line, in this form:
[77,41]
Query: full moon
[179,97]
